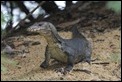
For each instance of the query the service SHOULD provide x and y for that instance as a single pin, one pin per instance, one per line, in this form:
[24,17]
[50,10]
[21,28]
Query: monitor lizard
[69,51]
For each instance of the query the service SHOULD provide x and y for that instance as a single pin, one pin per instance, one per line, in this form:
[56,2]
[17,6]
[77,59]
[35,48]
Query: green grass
[115,57]
[3,68]
[4,61]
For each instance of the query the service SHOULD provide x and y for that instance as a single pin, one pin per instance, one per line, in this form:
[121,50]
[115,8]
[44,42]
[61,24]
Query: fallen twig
[66,24]
[29,14]
[21,21]
[100,63]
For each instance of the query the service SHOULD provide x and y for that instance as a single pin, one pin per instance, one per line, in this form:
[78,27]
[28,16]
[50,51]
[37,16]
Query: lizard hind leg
[45,63]
[69,66]
[88,60]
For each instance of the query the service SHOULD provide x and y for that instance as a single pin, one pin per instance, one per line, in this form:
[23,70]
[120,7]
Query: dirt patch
[104,46]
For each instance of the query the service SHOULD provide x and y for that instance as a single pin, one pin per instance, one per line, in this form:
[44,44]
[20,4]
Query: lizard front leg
[69,66]
[45,63]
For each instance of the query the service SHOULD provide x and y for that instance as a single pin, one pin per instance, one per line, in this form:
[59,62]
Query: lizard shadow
[82,70]
[57,65]
[54,65]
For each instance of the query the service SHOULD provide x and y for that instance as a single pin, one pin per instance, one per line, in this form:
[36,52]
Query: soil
[102,27]
[103,45]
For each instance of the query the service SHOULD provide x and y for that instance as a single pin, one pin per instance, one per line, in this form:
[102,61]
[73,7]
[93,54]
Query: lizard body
[69,51]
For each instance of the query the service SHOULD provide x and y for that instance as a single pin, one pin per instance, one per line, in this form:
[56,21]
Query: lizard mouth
[38,30]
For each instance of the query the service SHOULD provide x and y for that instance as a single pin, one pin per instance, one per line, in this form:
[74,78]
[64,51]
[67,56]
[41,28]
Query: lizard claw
[44,65]
[62,70]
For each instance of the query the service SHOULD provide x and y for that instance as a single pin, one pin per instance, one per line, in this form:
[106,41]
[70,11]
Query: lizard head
[41,27]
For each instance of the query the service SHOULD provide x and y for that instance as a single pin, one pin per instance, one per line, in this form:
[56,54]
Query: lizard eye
[40,24]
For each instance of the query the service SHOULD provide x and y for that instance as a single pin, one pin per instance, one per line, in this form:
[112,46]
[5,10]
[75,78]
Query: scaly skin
[69,51]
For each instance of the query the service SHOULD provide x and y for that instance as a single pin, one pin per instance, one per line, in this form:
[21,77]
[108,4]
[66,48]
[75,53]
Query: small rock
[19,67]
[36,43]
[61,78]
[24,56]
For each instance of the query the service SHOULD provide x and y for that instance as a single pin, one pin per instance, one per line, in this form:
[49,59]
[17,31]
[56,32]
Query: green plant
[114,5]
[2,18]
[4,21]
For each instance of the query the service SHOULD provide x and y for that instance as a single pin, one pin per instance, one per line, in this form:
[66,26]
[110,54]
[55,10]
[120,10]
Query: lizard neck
[55,33]
[50,39]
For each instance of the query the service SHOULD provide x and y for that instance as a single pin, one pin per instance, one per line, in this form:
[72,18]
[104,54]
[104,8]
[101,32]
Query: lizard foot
[63,70]
[44,65]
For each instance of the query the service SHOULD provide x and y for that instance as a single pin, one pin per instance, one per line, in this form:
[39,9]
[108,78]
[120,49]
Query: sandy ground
[105,46]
